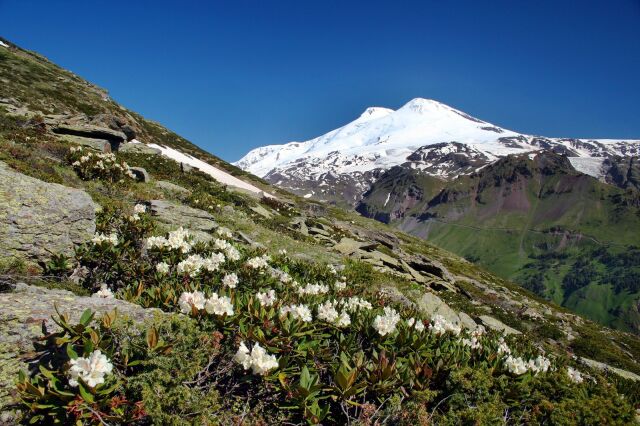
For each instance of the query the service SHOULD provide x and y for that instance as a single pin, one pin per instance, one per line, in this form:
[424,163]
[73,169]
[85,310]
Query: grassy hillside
[247,354]
[534,221]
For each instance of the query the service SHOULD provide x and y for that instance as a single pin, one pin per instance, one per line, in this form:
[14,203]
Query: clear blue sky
[234,75]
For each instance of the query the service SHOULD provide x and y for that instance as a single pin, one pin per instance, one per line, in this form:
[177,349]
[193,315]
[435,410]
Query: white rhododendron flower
[328,312]
[418,325]
[188,299]
[343,320]
[503,348]
[386,324]
[224,232]
[280,275]
[258,262]
[179,240]
[213,262]
[355,303]
[539,365]
[219,305]
[90,370]
[440,326]
[258,359]
[301,312]
[191,265]
[99,238]
[139,209]
[313,289]
[574,375]
[474,339]
[340,285]
[230,280]
[232,253]
[282,252]
[516,366]
[332,269]
[162,268]
[104,293]
[156,242]
[266,299]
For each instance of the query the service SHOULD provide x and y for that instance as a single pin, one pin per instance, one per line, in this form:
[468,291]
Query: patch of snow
[3,44]
[307,195]
[219,175]
[134,141]
[591,166]
[387,200]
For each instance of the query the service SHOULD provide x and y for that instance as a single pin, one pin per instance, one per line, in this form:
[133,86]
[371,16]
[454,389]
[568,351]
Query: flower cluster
[386,324]
[193,264]
[103,293]
[474,339]
[301,312]
[518,366]
[355,303]
[232,253]
[180,239]
[188,300]
[258,360]
[313,289]
[90,370]
[259,262]
[328,312]
[574,375]
[440,326]
[230,280]
[99,239]
[93,165]
[416,324]
[266,299]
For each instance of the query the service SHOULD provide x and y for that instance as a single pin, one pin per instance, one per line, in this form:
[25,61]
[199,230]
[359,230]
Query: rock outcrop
[38,219]
[173,215]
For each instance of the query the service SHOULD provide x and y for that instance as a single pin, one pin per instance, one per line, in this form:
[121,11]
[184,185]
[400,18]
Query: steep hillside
[238,305]
[533,219]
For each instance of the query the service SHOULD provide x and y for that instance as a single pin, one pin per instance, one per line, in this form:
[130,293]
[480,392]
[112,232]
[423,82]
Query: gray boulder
[172,188]
[432,305]
[38,219]
[141,174]
[138,148]
[495,324]
[101,145]
[174,215]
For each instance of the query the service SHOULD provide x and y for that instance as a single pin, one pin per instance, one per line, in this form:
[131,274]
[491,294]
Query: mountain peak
[423,105]
[375,112]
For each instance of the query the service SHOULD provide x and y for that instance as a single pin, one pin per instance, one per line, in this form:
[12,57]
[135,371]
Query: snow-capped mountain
[423,134]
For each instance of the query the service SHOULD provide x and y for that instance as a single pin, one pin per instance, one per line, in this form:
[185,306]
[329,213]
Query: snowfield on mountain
[382,138]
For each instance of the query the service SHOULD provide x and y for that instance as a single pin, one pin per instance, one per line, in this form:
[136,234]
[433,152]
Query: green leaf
[71,352]
[86,317]
[85,394]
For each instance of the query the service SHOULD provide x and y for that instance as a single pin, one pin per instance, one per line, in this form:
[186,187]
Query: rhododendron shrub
[314,342]
[90,165]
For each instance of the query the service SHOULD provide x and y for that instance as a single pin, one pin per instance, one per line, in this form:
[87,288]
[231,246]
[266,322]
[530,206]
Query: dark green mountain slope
[562,234]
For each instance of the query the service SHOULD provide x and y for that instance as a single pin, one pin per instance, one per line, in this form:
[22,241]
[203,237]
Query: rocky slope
[532,219]
[383,264]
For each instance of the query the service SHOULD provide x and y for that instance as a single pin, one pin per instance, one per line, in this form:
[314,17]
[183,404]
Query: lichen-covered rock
[38,219]
[495,324]
[22,314]
[199,222]
[139,148]
[432,305]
